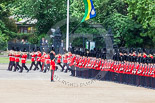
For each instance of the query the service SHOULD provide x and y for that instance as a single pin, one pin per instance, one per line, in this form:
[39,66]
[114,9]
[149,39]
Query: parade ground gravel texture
[35,87]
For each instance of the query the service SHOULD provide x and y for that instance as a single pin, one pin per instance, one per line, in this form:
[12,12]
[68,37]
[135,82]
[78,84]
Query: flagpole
[67,34]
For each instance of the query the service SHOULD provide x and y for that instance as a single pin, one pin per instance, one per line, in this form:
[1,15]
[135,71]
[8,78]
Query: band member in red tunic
[43,61]
[13,61]
[47,60]
[10,59]
[38,61]
[52,57]
[23,60]
[59,60]
[17,66]
[33,55]
[65,62]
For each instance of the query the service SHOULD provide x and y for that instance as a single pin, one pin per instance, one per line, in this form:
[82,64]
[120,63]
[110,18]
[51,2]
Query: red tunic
[112,67]
[17,57]
[39,57]
[47,59]
[33,57]
[43,58]
[13,58]
[65,59]
[23,58]
[151,57]
[98,65]
[144,56]
[77,62]
[59,59]
[70,55]
[10,57]
[72,61]
[52,65]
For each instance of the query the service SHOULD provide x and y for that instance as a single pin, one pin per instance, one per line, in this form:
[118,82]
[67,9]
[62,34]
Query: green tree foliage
[126,31]
[47,12]
[3,37]
[114,14]
[8,26]
[143,12]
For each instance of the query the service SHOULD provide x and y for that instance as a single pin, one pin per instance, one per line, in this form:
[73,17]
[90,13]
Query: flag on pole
[89,10]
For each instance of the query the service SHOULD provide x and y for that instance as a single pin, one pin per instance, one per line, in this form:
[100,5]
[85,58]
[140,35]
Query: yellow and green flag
[89,10]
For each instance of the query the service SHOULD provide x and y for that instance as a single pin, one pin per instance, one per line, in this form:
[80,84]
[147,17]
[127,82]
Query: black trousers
[90,73]
[72,70]
[52,75]
[9,67]
[65,64]
[43,64]
[33,63]
[67,68]
[77,71]
[86,72]
[24,66]
[38,63]
[47,67]
[12,65]
[17,66]
[82,70]
[60,65]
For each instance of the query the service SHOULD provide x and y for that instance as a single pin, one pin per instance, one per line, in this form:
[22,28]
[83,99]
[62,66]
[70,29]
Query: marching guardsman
[43,61]
[59,60]
[85,70]
[121,72]
[13,60]
[65,63]
[33,55]
[144,75]
[52,66]
[23,61]
[80,67]
[76,65]
[17,66]
[72,65]
[69,61]
[97,68]
[153,76]
[93,67]
[87,67]
[10,59]
[38,60]
[149,79]
[47,60]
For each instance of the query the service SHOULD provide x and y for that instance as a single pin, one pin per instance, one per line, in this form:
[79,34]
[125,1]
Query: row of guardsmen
[45,61]
[126,72]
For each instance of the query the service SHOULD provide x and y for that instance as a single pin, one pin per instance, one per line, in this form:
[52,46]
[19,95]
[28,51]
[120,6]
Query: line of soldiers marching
[121,71]
[127,72]
[41,60]
[45,61]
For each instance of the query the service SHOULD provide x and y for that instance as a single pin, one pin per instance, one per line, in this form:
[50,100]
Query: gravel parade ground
[35,87]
